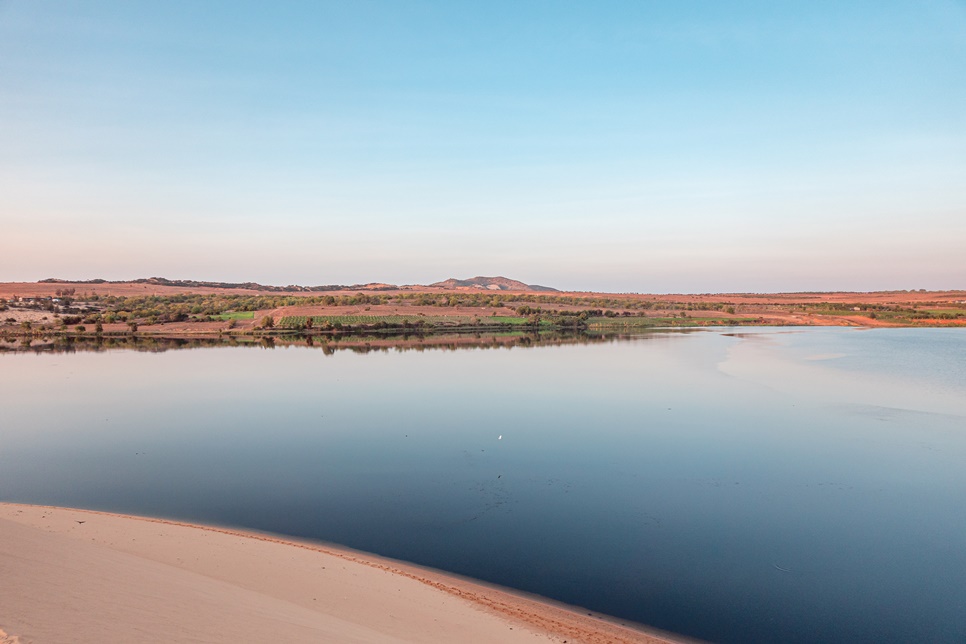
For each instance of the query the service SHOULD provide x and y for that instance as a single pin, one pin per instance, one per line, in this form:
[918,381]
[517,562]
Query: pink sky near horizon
[638,147]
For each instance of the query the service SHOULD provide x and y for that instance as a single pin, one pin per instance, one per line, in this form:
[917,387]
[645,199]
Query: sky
[639,146]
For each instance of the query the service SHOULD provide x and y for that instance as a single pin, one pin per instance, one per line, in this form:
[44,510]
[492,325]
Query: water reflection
[728,487]
[357,343]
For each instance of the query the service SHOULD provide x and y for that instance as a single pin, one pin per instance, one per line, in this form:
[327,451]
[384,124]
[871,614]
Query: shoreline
[426,605]
[170,309]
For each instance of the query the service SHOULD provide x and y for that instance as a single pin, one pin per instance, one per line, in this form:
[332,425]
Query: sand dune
[80,576]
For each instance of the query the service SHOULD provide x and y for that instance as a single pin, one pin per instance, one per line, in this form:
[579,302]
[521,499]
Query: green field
[503,319]
[235,315]
[947,314]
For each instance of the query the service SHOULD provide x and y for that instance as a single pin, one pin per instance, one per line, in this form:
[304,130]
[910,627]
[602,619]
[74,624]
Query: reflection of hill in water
[362,343]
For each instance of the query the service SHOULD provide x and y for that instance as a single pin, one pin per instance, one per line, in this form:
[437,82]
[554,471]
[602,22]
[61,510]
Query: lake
[742,485]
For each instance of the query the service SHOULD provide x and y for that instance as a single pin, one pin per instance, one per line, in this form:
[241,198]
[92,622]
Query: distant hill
[491,284]
[485,283]
[254,286]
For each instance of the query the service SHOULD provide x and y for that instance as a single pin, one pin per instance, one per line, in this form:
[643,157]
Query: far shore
[74,575]
[43,310]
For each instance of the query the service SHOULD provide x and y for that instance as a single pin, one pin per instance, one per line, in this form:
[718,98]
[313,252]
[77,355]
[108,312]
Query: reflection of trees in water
[328,344]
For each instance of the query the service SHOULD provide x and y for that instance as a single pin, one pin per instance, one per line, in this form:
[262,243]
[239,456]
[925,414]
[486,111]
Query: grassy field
[235,315]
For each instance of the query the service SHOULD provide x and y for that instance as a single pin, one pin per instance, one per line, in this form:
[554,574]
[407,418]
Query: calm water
[766,486]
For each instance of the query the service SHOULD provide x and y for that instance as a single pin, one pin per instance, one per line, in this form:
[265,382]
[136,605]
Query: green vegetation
[505,319]
[338,322]
[195,307]
[199,307]
[656,322]
[893,314]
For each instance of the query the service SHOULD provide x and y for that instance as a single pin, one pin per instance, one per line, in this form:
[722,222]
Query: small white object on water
[500,437]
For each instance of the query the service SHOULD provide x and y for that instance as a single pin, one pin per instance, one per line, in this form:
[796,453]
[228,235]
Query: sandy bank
[79,576]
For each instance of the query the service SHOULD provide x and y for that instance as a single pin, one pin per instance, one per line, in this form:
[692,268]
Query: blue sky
[618,146]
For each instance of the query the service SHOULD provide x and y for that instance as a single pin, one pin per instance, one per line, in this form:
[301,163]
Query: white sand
[78,576]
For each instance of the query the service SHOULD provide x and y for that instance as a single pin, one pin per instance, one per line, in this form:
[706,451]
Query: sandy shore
[81,576]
